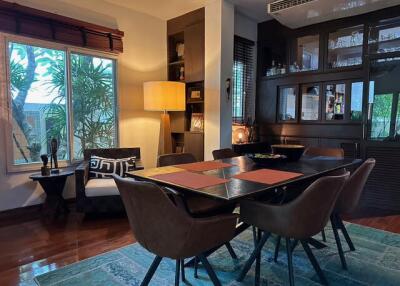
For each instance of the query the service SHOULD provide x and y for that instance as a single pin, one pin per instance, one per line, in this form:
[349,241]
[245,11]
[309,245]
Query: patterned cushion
[107,167]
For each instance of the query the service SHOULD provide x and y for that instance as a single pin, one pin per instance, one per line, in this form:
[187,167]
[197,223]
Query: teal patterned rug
[376,261]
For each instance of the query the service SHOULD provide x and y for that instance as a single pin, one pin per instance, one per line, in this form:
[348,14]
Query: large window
[243,78]
[79,114]
[384,91]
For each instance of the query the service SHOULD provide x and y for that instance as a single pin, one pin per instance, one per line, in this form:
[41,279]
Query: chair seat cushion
[101,187]
[201,206]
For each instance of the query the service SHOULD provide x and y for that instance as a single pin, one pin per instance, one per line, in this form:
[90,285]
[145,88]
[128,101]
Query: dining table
[239,178]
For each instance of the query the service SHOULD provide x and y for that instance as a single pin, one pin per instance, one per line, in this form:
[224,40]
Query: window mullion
[70,118]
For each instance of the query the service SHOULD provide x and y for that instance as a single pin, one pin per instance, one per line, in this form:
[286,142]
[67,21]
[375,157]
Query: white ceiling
[167,9]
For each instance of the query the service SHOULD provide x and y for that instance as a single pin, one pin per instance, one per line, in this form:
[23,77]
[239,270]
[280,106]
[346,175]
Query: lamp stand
[165,144]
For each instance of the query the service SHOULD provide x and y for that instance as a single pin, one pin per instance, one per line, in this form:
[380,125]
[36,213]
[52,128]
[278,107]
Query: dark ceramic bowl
[292,152]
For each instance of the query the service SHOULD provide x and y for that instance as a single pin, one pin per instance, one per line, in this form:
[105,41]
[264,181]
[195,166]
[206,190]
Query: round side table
[53,185]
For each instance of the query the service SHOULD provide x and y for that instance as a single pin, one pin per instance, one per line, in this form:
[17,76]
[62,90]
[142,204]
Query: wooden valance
[26,21]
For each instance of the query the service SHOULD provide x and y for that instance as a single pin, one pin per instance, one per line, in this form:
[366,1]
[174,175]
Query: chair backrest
[224,154]
[158,225]
[175,159]
[326,152]
[310,212]
[352,190]
[114,153]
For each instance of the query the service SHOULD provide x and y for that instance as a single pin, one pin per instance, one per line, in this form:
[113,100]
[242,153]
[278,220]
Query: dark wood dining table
[237,189]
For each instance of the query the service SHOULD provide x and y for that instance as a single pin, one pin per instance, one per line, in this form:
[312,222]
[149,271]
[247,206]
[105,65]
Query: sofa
[94,195]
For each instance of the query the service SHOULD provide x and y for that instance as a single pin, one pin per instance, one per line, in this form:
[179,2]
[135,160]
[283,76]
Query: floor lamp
[164,96]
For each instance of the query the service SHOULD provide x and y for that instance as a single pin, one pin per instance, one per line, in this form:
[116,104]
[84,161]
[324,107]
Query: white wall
[246,27]
[144,59]
[219,31]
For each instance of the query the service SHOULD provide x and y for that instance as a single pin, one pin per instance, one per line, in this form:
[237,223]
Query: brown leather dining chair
[224,154]
[347,203]
[297,220]
[198,206]
[166,230]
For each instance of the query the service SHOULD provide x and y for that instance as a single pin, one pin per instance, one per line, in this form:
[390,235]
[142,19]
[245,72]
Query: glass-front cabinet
[310,99]
[383,100]
[335,97]
[345,47]
[384,36]
[305,54]
[287,104]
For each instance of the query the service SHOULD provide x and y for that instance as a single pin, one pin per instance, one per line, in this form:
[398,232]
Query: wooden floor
[33,246]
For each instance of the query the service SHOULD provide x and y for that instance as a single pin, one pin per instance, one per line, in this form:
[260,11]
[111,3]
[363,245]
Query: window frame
[68,49]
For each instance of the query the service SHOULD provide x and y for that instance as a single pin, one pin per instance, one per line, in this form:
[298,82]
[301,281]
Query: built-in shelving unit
[186,64]
[351,97]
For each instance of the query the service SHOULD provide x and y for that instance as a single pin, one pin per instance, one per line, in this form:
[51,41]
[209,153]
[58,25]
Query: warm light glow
[164,96]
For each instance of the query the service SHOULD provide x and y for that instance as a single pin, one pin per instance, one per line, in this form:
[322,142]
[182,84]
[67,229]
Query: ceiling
[167,9]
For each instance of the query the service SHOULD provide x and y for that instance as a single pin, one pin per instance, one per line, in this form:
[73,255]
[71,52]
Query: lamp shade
[164,96]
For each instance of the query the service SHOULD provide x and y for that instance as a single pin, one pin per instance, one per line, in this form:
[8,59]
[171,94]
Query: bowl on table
[291,151]
[266,159]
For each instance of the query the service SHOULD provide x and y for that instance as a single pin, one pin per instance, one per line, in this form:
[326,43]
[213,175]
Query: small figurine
[44,169]
[53,151]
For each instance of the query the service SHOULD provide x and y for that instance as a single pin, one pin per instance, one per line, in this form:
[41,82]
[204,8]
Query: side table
[53,185]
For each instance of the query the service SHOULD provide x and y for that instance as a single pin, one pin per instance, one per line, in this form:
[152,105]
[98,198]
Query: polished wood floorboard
[34,246]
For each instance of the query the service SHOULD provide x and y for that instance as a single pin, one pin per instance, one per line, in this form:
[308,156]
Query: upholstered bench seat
[101,187]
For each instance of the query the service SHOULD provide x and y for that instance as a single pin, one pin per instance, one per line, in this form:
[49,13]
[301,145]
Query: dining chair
[196,205]
[325,152]
[167,231]
[224,154]
[347,202]
[297,220]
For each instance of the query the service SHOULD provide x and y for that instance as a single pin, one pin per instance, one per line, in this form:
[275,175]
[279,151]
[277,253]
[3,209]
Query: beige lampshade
[164,96]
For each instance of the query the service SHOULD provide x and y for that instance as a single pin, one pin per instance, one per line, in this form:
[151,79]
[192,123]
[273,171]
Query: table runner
[267,176]
[203,166]
[190,180]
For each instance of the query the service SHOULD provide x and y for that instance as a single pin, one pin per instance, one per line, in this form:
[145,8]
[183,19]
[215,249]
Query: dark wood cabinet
[359,96]
[194,143]
[194,52]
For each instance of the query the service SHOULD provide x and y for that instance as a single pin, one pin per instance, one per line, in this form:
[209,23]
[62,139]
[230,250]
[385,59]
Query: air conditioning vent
[285,4]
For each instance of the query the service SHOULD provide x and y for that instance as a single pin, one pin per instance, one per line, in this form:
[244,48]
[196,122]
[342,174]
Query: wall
[144,59]
[219,25]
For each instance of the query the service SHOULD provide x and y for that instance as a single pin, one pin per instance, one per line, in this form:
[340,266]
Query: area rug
[376,261]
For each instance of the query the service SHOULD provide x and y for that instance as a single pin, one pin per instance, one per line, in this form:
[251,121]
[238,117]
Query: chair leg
[290,263]
[254,235]
[314,262]
[230,250]
[183,270]
[150,272]
[323,235]
[338,243]
[209,270]
[277,246]
[196,266]
[253,256]
[258,262]
[340,224]
[177,270]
